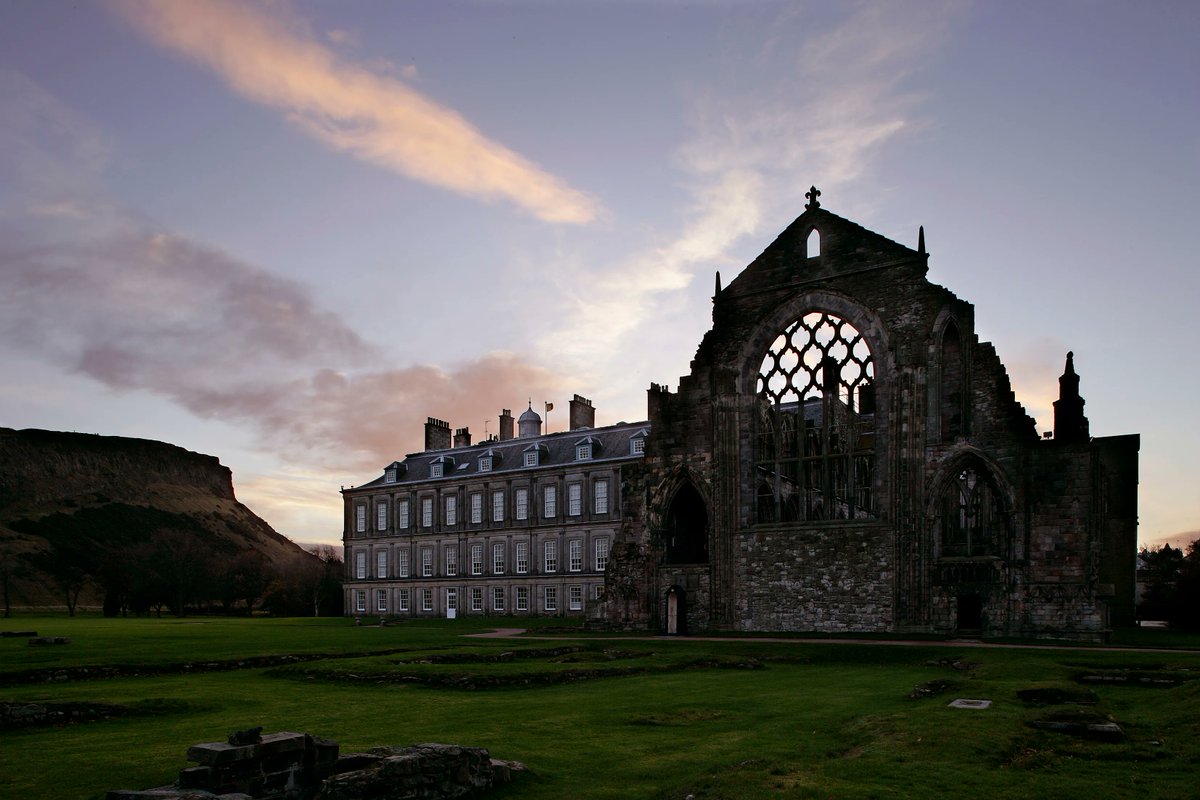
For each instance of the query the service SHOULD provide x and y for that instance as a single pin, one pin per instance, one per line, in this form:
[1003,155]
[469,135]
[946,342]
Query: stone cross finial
[812,194]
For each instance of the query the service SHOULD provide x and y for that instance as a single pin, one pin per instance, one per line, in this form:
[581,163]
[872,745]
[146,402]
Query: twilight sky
[285,233]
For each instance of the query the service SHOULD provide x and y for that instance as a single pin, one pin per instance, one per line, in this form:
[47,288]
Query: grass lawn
[602,718]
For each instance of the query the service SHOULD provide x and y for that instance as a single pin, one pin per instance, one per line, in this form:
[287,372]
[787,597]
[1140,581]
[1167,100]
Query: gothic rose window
[815,458]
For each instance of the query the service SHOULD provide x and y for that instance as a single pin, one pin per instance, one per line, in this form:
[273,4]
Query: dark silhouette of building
[846,455]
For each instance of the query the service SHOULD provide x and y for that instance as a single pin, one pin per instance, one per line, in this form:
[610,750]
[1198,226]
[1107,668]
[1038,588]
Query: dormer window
[637,443]
[587,448]
[485,464]
[389,476]
[533,454]
[440,465]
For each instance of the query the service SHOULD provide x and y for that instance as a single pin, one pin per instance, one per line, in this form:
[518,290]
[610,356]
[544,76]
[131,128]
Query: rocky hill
[130,522]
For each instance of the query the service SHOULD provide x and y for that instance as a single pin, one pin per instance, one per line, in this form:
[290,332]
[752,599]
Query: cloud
[149,311]
[50,153]
[276,60]
[820,106]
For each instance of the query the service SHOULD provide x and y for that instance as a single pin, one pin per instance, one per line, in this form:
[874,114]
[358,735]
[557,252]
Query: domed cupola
[529,424]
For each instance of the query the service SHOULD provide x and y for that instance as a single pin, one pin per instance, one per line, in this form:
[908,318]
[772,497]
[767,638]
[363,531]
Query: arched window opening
[815,455]
[972,521]
[685,528]
[951,407]
[812,245]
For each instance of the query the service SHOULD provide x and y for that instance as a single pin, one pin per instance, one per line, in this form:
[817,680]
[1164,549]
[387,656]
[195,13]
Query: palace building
[845,455]
[518,524]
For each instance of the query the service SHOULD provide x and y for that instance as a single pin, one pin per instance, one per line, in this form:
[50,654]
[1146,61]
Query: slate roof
[555,450]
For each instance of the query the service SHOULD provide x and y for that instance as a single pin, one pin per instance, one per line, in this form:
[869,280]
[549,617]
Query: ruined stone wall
[832,578]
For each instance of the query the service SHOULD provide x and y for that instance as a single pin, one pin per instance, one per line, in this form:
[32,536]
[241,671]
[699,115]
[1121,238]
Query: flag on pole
[549,407]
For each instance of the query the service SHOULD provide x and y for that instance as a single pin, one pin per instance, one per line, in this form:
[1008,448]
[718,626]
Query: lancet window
[815,455]
[972,521]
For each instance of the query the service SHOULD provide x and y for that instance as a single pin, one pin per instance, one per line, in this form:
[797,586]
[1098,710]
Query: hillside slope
[96,510]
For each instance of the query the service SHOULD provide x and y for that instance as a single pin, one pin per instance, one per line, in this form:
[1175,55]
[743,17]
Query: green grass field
[595,717]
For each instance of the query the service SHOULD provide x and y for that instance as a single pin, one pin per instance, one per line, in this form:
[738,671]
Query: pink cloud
[275,59]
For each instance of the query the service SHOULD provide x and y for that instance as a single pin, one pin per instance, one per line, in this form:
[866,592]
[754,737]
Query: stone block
[215,754]
[195,777]
[273,744]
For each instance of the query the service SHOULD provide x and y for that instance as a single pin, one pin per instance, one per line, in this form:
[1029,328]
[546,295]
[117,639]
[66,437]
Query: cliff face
[101,501]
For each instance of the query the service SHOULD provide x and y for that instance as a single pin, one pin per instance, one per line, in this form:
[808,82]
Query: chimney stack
[437,434]
[582,413]
[462,437]
[506,425]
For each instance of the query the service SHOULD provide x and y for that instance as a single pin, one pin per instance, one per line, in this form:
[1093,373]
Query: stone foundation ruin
[300,766]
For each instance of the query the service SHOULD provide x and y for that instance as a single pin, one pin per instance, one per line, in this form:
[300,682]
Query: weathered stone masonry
[846,455]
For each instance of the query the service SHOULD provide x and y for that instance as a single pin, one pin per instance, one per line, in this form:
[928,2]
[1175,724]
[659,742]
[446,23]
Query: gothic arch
[970,508]
[814,366]
[685,522]
[949,409]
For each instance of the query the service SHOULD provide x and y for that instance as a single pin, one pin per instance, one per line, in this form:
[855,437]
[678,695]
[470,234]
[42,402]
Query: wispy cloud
[144,310]
[817,110]
[273,58]
[86,285]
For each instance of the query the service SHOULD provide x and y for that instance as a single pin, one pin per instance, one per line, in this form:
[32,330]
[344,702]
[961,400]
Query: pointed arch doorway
[676,611]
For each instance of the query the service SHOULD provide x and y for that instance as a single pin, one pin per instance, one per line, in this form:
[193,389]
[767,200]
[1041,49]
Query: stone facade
[847,455]
[514,525]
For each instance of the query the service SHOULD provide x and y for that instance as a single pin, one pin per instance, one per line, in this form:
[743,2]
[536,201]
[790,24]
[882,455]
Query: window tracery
[972,521]
[815,457]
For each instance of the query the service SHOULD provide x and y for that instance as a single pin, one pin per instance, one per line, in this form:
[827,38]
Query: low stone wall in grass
[300,766]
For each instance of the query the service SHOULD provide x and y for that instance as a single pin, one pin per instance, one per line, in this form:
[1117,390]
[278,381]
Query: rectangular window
[522,598]
[381,564]
[402,600]
[601,554]
[427,599]
[583,452]
[381,599]
[498,558]
[498,598]
[498,505]
[531,458]
[390,475]
[575,499]
[600,497]
[452,599]
[551,598]
[381,515]
[477,507]
[575,555]
[476,559]
[360,600]
[427,512]
[598,592]
[360,518]
[476,598]
[451,511]
[402,563]
[402,514]
[435,470]
[427,561]
[576,598]
[551,562]
[451,559]
[485,464]
[522,558]
[550,505]
[522,503]
[360,565]
[637,446]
